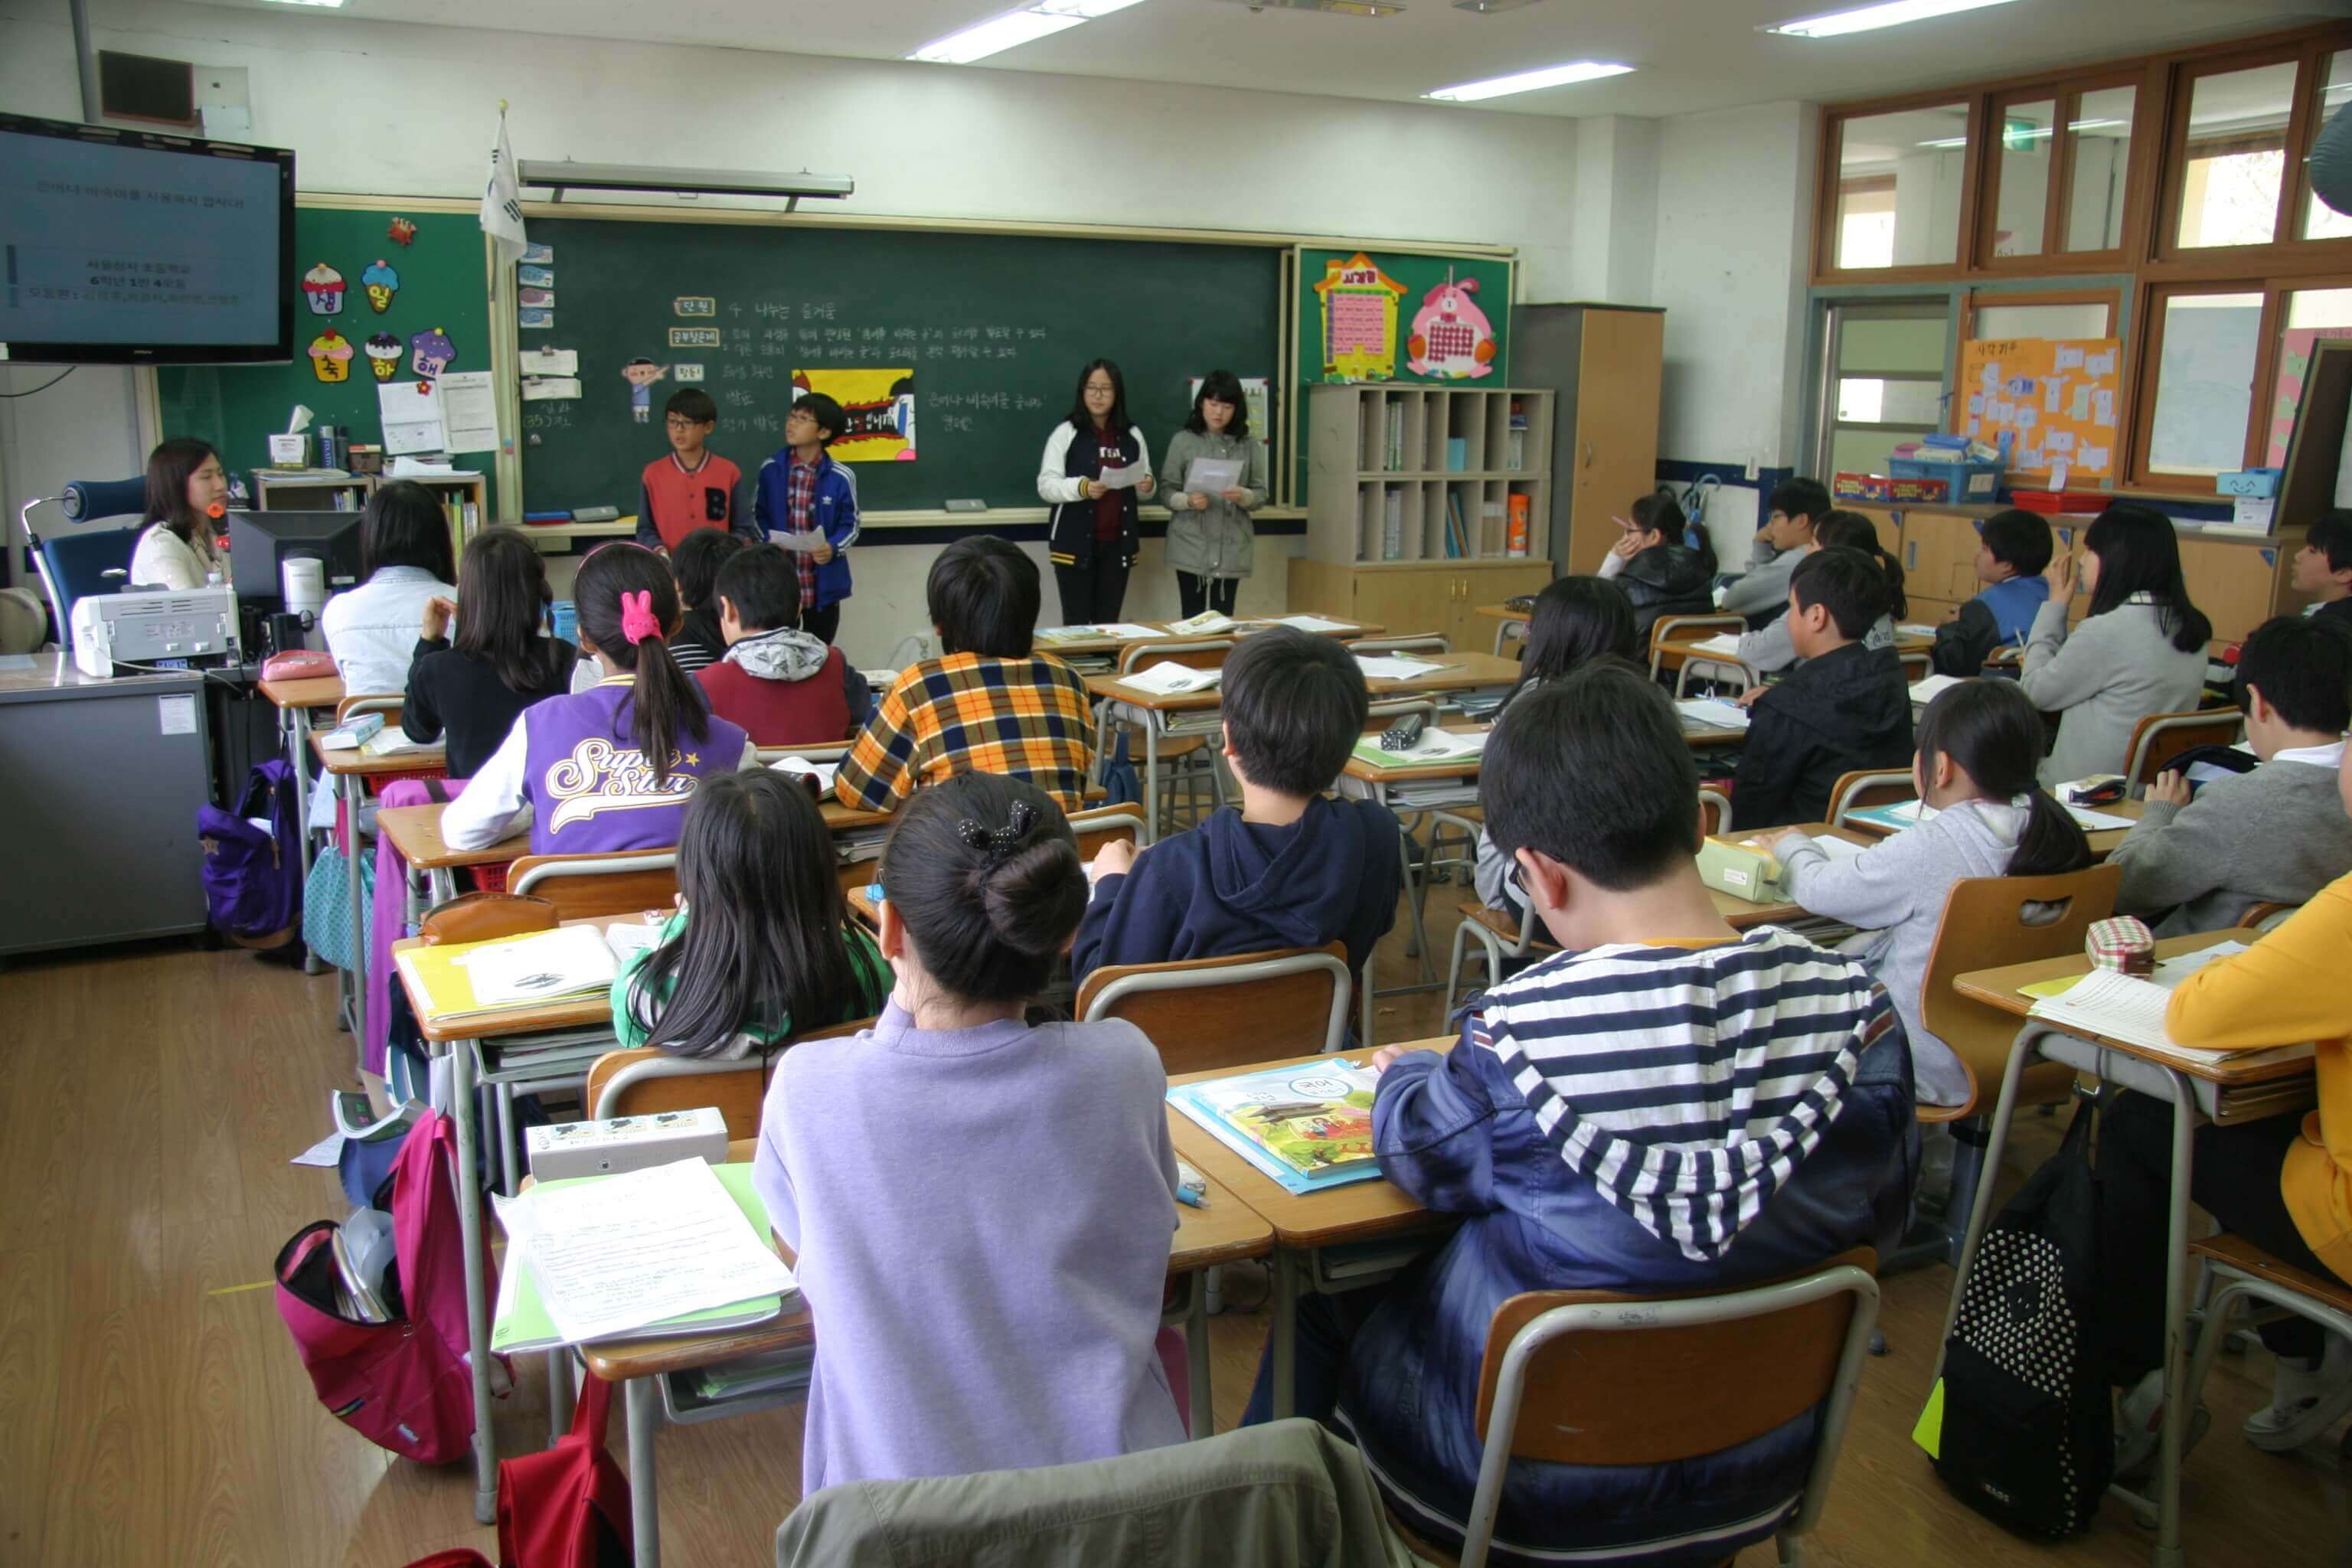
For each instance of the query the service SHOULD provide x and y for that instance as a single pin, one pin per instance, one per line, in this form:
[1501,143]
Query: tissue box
[2258,483]
[289,451]
[1742,869]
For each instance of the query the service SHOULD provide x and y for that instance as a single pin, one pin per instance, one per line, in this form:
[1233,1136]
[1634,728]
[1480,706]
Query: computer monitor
[260,543]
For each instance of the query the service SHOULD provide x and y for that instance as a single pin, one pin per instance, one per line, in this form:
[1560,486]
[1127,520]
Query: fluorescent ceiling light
[1011,29]
[1527,81]
[1491,7]
[1862,20]
[1329,8]
[331,4]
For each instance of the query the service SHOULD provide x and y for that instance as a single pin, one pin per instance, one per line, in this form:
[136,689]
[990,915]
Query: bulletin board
[1379,315]
[2060,401]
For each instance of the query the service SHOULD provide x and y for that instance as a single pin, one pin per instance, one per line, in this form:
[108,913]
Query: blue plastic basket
[1964,482]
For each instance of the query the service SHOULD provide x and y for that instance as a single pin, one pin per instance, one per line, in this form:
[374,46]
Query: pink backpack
[403,1384]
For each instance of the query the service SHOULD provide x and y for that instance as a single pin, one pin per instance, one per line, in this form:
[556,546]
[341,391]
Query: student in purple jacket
[609,769]
[980,1209]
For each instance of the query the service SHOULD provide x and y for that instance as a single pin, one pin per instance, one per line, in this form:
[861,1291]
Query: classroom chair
[1207,1015]
[1677,628]
[2268,917]
[1185,742]
[2231,1269]
[1917,667]
[1493,928]
[648,1080]
[596,887]
[1859,791]
[2160,737]
[1991,922]
[75,565]
[1572,1378]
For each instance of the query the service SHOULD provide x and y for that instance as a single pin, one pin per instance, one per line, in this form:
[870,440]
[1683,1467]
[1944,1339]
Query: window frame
[2067,94]
[1831,182]
[2286,252]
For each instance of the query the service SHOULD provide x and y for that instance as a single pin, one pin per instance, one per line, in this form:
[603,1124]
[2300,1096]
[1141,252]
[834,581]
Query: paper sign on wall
[470,411]
[550,362]
[412,416]
[2057,400]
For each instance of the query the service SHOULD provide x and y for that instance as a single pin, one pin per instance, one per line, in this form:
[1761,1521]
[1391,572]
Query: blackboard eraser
[596,513]
[968,503]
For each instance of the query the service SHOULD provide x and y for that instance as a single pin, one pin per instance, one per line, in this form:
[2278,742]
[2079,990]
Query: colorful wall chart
[1380,315]
[880,405]
[1360,319]
[2059,400]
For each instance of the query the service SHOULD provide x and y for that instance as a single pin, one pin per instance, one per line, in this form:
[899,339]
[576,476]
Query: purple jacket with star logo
[591,791]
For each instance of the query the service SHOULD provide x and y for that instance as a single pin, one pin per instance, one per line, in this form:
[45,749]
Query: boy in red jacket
[783,686]
[690,486]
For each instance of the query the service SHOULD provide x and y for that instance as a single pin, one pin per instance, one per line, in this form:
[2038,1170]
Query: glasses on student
[681,422]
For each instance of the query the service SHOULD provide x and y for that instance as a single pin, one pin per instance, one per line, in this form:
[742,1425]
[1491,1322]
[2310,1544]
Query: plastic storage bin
[1966,482]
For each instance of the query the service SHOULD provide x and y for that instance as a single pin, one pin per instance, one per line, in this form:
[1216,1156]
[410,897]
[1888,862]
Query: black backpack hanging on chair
[2019,1423]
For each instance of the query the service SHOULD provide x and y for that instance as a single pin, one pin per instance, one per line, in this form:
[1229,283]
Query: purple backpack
[253,877]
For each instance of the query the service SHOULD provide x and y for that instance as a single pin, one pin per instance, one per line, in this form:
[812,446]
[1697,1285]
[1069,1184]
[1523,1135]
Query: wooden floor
[152,1411]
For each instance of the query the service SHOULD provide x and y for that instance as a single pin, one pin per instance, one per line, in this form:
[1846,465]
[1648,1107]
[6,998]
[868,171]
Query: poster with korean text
[2058,400]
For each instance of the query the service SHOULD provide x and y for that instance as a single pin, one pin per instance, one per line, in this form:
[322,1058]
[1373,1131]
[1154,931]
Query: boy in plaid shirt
[989,704]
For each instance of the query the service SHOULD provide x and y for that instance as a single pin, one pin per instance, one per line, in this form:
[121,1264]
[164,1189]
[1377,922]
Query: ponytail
[1852,531]
[1990,731]
[624,589]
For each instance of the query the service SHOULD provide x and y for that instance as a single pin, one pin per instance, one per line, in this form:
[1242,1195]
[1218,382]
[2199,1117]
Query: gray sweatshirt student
[1896,891]
[2103,678]
[2277,835]
[1763,589]
[1218,542]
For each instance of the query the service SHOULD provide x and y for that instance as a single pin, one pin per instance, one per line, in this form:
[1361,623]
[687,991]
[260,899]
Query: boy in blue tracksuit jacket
[1290,868]
[802,491]
[2016,546]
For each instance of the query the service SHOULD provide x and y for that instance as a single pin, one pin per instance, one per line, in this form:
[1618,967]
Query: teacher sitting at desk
[187,491]
[1094,541]
[1222,479]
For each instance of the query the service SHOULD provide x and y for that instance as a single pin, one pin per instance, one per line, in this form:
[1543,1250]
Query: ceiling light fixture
[1492,7]
[1329,7]
[1014,28]
[1527,81]
[329,5]
[1864,18]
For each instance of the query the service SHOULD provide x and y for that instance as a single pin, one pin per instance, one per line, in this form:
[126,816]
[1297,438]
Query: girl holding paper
[1094,541]
[1222,476]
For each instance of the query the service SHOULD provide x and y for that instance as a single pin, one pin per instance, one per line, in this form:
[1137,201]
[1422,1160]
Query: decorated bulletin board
[2294,364]
[2059,400]
[1391,316]
[383,292]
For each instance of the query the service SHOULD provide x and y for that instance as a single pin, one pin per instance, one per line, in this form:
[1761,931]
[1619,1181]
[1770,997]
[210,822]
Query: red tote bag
[569,1507]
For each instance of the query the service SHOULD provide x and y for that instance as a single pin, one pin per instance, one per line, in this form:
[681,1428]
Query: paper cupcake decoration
[322,285]
[430,353]
[330,356]
[383,352]
[382,281]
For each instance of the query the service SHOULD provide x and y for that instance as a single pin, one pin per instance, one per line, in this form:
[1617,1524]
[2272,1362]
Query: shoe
[2139,1429]
[2305,1400]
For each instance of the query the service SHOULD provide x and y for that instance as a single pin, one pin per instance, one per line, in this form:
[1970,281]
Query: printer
[189,629]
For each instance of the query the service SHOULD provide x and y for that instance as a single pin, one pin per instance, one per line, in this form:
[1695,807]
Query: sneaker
[2306,1400]
[2139,1429]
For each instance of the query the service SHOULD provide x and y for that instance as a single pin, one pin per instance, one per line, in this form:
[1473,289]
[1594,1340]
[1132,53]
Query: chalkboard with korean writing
[953,355]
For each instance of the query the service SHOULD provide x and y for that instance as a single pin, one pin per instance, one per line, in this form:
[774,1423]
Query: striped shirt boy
[1029,718]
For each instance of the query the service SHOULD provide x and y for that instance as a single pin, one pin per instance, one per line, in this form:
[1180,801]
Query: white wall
[382,107]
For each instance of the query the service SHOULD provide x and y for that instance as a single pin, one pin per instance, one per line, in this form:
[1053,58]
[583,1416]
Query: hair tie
[999,842]
[638,621]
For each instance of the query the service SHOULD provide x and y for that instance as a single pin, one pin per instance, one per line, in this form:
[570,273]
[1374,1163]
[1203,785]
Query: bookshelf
[464,497]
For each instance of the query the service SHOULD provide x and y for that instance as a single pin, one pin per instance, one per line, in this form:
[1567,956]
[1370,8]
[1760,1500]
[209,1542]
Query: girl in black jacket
[1665,566]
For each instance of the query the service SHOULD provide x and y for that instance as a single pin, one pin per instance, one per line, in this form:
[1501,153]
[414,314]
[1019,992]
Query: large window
[1899,184]
[2204,345]
[2233,156]
[2063,171]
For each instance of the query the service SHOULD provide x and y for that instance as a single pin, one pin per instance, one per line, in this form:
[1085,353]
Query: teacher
[1209,542]
[186,490]
[1093,541]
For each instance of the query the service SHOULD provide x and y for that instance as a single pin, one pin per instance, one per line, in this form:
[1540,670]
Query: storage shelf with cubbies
[1409,474]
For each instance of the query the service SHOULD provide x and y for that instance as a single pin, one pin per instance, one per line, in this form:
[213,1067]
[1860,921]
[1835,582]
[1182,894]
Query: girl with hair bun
[1027,1172]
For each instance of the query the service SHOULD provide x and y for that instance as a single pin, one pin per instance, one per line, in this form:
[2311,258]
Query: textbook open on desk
[465,981]
[1307,1127]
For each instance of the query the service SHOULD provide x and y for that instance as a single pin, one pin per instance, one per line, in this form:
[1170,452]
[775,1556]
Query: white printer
[148,625]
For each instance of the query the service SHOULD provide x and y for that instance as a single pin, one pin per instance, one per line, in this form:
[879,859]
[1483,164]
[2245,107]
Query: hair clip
[999,842]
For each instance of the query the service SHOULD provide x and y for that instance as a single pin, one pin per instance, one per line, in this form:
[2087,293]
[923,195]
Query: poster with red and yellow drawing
[878,407]
[1360,319]
[2059,400]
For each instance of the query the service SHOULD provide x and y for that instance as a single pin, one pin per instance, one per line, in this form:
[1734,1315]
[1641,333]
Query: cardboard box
[1886,487]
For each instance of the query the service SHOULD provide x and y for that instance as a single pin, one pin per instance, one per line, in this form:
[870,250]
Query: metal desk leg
[477,1305]
[2168,1553]
[1196,1359]
[1282,1332]
[509,1178]
[294,723]
[1150,778]
[440,885]
[354,796]
[645,1499]
[559,1393]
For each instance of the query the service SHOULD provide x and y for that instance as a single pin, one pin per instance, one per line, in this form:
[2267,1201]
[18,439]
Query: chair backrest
[591,887]
[1714,813]
[1592,1377]
[2160,737]
[76,566]
[1676,628]
[1991,922]
[1418,642]
[1917,667]
[1202,653]
[648,1081]
[1857,790]
[2268,917]
[1101,825]
[1215,1013]
[387,705]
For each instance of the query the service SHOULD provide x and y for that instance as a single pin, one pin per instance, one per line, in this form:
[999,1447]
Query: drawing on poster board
[1452,338]
[878,405]
[323,288]
[330,356]
[382,281]
[383,352]
[1360,319]
[641,373]
[430,353]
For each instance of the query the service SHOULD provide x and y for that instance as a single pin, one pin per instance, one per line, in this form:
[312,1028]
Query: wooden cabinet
[2235,582]
[1606,364]
[1412,599]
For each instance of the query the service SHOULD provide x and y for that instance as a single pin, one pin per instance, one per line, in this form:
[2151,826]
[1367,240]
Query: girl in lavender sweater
[980,1209]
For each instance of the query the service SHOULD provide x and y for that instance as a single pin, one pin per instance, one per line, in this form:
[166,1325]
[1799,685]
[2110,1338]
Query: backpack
[253,875]
[568,1507]
[2020,1425]
[404,1385]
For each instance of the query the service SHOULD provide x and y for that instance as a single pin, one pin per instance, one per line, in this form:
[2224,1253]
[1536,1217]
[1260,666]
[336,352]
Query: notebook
[1711,713]
[1168,678]
[1925,691]
[1307,1127]
[468,981]
[1723,643]
[1434,746]
[2125,1007]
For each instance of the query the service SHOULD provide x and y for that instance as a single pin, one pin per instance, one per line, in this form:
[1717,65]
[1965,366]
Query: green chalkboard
[442,284]
[992,327]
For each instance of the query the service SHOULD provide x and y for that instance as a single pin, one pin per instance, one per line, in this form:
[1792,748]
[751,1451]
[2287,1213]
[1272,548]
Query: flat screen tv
[131,247]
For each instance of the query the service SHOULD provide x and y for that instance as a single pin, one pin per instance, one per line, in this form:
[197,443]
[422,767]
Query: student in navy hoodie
[1291,867]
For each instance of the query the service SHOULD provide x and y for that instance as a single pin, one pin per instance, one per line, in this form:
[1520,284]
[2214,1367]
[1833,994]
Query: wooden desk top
[324,692]
[1676,649]
[1999,988]
[1358,1212]
[1501,613]
[1741,915]
[1226,1231]
[1448,768]
[415,832]
[1096,647]
[862,907]
[355,761]
[1457,671]
[2103,841]
[572,1013]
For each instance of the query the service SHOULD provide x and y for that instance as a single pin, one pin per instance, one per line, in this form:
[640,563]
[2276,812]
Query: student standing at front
[1094,540]
[1210,542]
[803,492]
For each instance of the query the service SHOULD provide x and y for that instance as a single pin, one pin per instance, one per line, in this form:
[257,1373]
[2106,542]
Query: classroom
[1635,714]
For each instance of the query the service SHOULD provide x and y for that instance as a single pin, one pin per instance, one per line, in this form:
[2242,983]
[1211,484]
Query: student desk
[1304,1224]
[351,769]
[294,700]
[1226,1231]
[1157,713]
[1514,623]
[2103,842]
[1103,646]
[2222,1091]
[1739,913]
[1365,780]
[1680,652]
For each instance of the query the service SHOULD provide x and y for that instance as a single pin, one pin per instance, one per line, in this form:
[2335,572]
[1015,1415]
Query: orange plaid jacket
[1030,718]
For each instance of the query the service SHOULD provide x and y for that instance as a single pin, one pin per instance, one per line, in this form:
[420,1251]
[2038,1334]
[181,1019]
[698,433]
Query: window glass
[2205,383]
[2321,221]
[2084,321]
[1877,400]
[2236,156]
[1899,179]
[1887,381]
[2311,314]
[2026,154]
[2099,132]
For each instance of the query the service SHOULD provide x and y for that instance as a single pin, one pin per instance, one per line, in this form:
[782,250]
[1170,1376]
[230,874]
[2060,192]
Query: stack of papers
[392,742]
[1168,678]
[1711,713]
[352,733]
[1723,643]
[1913,629]
[1313,623]
[482,979]
[1126,629]
[673,1248]
[1208,623]
[1925,691]
[1387,666]
[824,774]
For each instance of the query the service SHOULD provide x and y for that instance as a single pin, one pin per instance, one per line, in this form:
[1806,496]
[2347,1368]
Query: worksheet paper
[1317,623]
[1168,677]
[1725,643]
[550,362]
[614,1254]
[1712,713]
[1379,667]
[1124,478]
[1214,476]
[1926,691]
[412,416]
[470,411]
[798,543]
